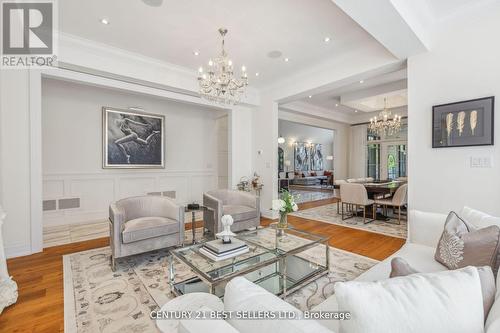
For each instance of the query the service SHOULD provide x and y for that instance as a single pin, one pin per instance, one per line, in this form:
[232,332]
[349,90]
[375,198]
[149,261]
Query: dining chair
[355,195]
[370,179]
[351,180]
[360,180]
[399,199]
[336,193]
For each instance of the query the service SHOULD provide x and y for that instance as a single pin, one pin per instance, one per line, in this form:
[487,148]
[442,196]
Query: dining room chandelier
[218,83]
[385,123]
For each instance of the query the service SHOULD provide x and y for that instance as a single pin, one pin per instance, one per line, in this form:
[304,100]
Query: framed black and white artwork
[132,139]
[463,124]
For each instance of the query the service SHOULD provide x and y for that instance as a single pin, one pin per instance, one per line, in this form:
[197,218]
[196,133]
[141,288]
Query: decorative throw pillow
[443,302]
[400,267]
[462,245]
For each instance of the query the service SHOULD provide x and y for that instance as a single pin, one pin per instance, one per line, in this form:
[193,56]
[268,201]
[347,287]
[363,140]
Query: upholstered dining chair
[142,224]
[351,180]
[244,207]
[398,200]
[336,193]
[355,195]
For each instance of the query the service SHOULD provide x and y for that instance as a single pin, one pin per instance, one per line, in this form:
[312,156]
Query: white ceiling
[364,96]
[172,31]
[395,99]
[443,8]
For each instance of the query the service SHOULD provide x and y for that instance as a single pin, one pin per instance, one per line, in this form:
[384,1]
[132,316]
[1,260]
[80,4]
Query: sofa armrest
[202,326]
[212,217]
[117,218]
[243,295]
[425,228]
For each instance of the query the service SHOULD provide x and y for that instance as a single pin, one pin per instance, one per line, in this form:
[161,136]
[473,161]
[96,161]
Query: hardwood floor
[40,306]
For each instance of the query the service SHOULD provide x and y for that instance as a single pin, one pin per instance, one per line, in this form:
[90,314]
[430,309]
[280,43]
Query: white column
[8,287]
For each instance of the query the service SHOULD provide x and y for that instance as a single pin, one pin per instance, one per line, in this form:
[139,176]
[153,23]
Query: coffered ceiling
[172,31]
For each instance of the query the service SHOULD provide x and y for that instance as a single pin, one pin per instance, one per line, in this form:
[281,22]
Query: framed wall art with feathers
[463,124]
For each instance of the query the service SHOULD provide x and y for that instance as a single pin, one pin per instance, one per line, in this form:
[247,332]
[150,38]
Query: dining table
[379,187]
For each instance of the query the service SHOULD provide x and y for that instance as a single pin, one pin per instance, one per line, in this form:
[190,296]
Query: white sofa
[424,232]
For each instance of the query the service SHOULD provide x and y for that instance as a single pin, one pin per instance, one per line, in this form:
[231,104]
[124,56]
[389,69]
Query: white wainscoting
[96,191]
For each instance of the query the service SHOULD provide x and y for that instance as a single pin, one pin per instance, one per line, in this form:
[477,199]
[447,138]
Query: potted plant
[285,205]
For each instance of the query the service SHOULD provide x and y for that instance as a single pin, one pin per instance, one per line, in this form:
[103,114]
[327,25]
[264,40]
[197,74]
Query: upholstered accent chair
[399,199]
[142,224]
[244,207]
[355,195]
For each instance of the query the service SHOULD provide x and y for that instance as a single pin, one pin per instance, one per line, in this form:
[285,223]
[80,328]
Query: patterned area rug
[306,196]
[99,300]
[328,214]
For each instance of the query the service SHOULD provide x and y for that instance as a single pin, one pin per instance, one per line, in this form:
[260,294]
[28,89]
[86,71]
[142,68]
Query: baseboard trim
[17,251]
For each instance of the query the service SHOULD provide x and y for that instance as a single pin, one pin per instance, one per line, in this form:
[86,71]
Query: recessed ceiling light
[337,104]
[355,111]
[153,3]
[362,81]
[274,54]
[326,39]
[196,53]
[286,60]
[310,96]
[105,21]
[257,74]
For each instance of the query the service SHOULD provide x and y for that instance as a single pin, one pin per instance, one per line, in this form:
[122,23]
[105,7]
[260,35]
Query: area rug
[328,214]
[99,300]
[307,196]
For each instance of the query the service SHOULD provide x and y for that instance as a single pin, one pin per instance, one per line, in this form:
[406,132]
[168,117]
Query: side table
[193,218]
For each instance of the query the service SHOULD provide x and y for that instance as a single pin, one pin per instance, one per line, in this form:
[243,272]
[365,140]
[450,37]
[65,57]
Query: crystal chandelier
[218,83]
[385,124]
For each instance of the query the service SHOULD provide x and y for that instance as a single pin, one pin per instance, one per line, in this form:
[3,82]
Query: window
[373,160]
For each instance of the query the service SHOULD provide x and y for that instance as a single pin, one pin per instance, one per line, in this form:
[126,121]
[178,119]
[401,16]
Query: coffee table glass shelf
[280,265]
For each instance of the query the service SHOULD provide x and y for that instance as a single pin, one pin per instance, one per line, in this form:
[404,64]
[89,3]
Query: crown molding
[77,52]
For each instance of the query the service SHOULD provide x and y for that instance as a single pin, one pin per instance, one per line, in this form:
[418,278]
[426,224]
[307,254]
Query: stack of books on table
[217,251]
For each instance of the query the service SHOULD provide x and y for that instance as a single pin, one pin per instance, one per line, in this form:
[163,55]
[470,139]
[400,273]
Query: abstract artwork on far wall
[301,152]
[132,139]
[316,157]
[462,124]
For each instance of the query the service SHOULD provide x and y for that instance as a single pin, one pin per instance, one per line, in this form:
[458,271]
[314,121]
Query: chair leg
[338,204]
[342,210]
[374,211]
[364,214]
[399,215]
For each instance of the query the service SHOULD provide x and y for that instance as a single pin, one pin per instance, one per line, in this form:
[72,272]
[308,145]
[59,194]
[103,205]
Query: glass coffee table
[280,266]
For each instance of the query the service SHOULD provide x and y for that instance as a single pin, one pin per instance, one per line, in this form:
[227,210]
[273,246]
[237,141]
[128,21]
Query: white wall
[463,64]
[72,150]
[298,132]
[340,139]
[15,160]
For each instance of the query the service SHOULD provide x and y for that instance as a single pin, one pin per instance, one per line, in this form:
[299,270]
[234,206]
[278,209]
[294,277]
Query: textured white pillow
[443,302]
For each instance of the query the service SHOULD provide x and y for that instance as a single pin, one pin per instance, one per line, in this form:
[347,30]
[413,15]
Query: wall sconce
[281,140]
[329,158]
